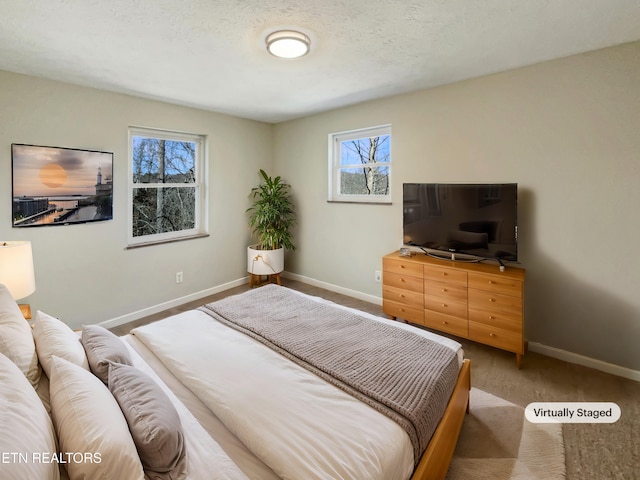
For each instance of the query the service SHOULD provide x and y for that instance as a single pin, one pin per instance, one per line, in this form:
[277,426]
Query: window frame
[335,166]
[200,186]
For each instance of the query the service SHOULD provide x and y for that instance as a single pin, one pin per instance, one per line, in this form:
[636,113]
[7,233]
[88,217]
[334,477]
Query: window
[360,165]
[167,186]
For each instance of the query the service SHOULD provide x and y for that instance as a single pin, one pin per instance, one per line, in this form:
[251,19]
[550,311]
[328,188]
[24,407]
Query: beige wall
[84,273]
[567,131]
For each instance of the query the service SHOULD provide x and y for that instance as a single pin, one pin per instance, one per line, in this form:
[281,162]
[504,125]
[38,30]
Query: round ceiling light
[288,44]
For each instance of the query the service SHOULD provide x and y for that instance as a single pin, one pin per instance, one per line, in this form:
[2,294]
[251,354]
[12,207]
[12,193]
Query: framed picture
[60,186]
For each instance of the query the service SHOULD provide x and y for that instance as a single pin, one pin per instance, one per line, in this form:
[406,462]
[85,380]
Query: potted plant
[271,217]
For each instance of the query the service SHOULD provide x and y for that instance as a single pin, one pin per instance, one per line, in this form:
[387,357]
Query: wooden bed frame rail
[435,460]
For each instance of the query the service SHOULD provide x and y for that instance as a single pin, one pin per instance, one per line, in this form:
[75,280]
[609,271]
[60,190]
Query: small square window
[360,165]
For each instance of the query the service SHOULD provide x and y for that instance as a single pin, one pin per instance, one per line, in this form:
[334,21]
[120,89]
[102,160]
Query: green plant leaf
[272,214]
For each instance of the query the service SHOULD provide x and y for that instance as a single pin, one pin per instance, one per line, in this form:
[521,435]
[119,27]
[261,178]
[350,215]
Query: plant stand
[256,280]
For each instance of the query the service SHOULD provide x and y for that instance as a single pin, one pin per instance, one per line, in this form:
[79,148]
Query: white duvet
[206,459]
[296,423]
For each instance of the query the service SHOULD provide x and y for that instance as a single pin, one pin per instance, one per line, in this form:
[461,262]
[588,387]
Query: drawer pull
[444,289]
[491,282]
[444,305]
[444,274]
[401,266]
[402,309]
[402,280]
[491,317]
[492,334]
[445,323]
[402,296]
[492,299]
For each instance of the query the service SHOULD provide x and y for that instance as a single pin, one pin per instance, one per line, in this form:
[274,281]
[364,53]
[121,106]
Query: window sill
[169,240]
[362,202]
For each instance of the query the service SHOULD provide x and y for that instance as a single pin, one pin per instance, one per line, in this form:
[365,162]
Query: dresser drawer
[475,301]
[443,274]
[451,292]
[403,282]
[401,295]
[496,337]
[402,267]
[496,283]
[495,302]
[505,321]
[437,304]
[446,323]
[400,310]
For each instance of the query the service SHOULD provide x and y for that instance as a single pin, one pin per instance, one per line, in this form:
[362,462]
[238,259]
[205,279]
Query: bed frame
[435,461]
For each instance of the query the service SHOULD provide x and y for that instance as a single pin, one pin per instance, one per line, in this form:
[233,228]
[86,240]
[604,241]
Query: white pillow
[88,420]
[54,337]
[16,341]
[27,431]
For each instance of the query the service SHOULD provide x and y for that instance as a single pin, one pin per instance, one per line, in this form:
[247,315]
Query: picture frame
[54,186]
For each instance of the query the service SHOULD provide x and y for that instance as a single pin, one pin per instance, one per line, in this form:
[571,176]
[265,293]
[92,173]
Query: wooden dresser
[469,300]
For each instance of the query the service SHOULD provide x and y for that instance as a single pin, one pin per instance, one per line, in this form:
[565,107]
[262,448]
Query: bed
[233,393]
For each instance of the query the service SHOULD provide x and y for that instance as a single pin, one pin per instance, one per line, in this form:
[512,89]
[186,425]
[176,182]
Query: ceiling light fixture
[288,44]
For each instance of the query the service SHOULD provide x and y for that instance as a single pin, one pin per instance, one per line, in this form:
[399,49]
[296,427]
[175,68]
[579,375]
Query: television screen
[60,186]
[473,219]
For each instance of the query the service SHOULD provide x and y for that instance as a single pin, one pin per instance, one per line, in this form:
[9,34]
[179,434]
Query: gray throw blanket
[401,374]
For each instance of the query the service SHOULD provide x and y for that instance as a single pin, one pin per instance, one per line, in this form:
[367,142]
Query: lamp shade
[16,268]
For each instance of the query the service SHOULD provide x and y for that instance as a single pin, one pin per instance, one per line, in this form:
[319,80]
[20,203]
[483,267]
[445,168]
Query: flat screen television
[478,220]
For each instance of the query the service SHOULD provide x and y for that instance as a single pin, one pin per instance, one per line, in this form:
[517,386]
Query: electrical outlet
[179,277]
[378,276]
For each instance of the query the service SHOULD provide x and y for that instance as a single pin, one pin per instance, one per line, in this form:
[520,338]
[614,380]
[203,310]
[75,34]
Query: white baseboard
[130,317]
[334,288]
[585,361]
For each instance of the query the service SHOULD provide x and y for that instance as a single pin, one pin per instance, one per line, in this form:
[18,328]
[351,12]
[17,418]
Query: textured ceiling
[210,53]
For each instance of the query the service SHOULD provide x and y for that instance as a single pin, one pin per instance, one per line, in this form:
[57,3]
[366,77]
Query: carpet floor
[498,443]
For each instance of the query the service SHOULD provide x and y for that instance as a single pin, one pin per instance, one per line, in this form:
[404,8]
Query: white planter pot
[264,262]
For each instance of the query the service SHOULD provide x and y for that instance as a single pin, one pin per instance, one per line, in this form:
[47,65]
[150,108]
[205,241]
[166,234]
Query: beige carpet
[497,442]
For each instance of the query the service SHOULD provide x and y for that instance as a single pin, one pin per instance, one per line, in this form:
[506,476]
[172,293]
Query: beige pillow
[88,420]
[153,422]
[54,337]
[26,429]
[102,348]
[16,341]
